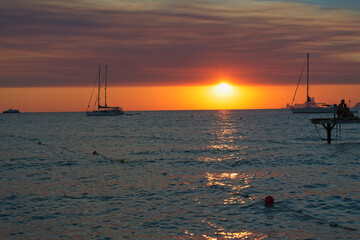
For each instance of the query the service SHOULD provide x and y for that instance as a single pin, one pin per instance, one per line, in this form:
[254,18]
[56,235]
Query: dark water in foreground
[177,175]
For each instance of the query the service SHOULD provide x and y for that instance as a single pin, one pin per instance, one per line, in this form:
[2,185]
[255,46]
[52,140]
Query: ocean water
[177,175]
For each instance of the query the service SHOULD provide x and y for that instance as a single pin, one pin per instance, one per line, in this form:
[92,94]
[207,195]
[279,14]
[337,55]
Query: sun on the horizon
[223,90]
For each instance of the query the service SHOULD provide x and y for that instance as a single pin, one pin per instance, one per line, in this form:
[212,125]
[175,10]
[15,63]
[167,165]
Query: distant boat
[310,106]
[103,110]
[11,111]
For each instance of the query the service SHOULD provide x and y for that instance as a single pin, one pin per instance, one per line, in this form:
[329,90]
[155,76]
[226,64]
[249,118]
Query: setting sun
[224,90]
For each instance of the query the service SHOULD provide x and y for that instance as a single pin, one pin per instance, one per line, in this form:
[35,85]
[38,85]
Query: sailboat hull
[312,110]
[103,113]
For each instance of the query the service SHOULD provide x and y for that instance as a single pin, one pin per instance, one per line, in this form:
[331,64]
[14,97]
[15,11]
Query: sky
[170,54]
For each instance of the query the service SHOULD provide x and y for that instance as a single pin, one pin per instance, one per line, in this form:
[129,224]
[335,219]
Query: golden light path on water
[228,179]
[226,234]
[225,136]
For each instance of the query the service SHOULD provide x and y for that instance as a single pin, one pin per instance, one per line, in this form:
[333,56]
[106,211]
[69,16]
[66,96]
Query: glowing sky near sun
[136,98]
[173,44]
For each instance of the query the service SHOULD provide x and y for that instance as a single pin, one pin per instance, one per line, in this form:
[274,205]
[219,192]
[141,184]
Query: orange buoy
[269,201]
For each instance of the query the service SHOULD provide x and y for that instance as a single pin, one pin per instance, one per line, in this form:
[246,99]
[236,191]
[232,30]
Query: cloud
[61,43]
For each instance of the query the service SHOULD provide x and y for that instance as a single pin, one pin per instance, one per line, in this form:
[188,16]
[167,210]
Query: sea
[178,175]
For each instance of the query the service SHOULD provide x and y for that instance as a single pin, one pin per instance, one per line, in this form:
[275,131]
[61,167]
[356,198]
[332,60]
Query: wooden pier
[330,123]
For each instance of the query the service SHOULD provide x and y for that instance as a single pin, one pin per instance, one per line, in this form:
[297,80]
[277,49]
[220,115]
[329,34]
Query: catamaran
[103,110]
[310,106]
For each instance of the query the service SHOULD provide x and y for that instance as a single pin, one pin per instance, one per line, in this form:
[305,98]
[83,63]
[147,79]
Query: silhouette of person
[343,110]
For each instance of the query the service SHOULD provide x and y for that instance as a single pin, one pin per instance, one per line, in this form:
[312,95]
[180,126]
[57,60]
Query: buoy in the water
[269,201]
[39,142]
[122,161]
[95,153]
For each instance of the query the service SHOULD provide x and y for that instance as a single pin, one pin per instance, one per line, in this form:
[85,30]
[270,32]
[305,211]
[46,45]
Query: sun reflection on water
[226,142]
[235,181]
[227,187]
[222,179]
[222,233]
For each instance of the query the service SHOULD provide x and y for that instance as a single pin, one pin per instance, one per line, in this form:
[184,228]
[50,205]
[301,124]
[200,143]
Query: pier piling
[330,123]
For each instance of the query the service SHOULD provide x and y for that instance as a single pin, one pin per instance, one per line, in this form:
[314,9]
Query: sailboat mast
[307,81]
[105,84]
[99,88]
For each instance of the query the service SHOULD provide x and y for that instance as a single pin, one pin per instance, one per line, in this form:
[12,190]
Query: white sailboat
[103,110]
[310,106]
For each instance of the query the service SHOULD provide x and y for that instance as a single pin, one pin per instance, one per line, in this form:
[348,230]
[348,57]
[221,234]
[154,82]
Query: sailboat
[310,105]
[103,110]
